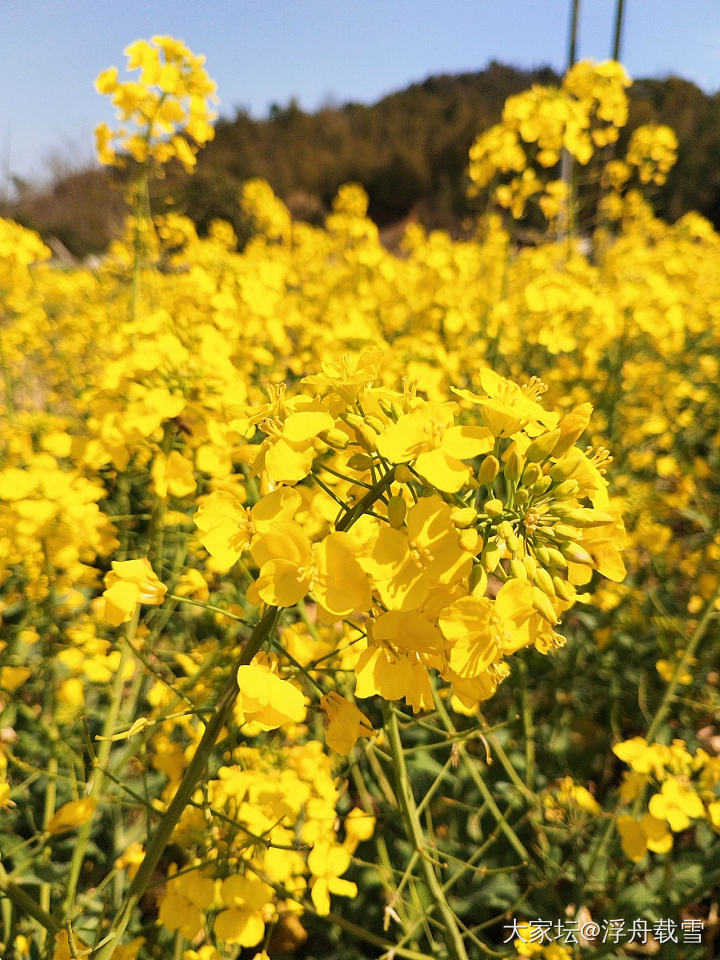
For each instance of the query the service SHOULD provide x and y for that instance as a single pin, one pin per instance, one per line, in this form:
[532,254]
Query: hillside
[409,150]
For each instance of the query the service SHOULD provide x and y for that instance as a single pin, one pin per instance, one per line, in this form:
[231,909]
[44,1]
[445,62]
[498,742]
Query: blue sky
[265,51]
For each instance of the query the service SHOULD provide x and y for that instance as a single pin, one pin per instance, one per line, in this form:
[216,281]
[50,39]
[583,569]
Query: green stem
[101,761]
[29,907]
[471,768]
[529,725]
[366,502]
[454,941]
[192,776]
[680,667]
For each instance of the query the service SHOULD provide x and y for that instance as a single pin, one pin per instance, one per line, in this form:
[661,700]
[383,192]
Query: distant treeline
[409,151]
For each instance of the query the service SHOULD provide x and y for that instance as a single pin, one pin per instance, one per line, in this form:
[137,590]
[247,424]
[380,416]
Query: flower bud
[541,485]
[543,605]
[361,461]
[563,469]
[576,554]
[543,555]
[494,508]
[396,511]
[580,517]
[375,423]
[566,489]
[366,437]
[544,581]
[335,438]
[555,558]
[470,540]
[531,474]
[571,427]
[530,565]
[478,580]
[563,589]
[402,473]
[541,448]
[517,569]
[490,556]
[463,516]
[488,470]
[513,467]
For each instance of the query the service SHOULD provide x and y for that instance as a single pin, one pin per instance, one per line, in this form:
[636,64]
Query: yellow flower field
[361,603]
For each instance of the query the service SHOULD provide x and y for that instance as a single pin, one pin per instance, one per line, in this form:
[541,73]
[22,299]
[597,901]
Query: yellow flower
[13,677]
[265,698]
[406,564]
[291,566]
[131,859]
[243,923]
[642,756]
[359,826]
[507,408]
[429,438]
[71,815]
[129,583]
[393,676]
[676,803]
[346,723]
[62,946]
[173,474]
[327,861]
[639,836]
[480,631]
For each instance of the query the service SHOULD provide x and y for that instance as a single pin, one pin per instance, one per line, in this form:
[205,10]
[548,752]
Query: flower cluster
[687,789]
[166,112]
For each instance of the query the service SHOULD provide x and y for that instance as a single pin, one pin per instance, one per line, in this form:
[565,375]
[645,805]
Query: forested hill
[409,150]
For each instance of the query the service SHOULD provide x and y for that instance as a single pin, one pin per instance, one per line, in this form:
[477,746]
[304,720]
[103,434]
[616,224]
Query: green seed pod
[488,470]
[541,448]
